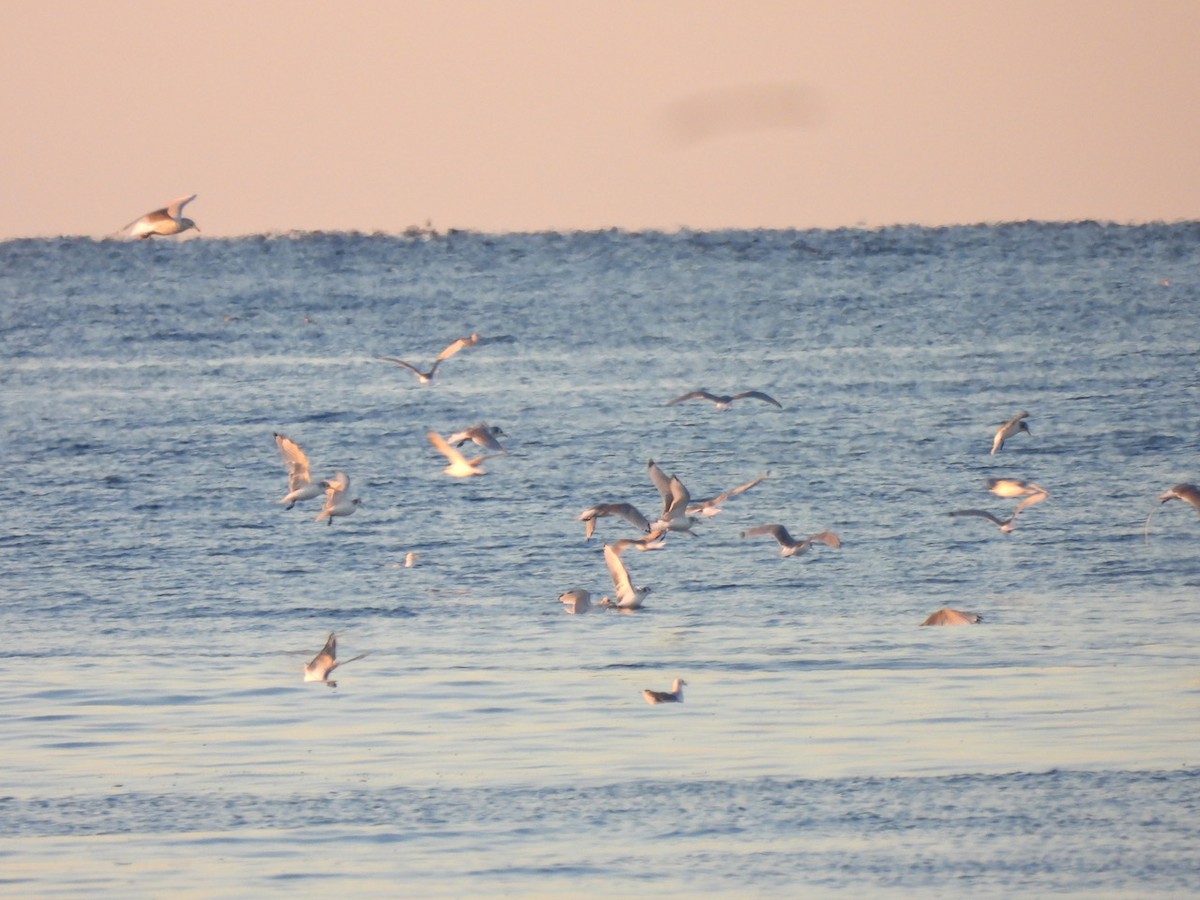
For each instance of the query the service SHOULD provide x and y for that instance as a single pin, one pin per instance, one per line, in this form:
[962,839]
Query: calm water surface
[160,606]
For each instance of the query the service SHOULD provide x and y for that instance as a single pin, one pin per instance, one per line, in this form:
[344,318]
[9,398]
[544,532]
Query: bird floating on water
[1008,429]
[675,695]
[326,661]
[626,511]
[788,544]
[1188,493]
[337,499]
[460,466]
[166,221]
[723,401]
[300,483]
[948,616]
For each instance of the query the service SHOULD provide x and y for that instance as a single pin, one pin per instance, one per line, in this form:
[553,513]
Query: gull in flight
[626,511]
[950,616]
[482,434]
[460,466]
[337,500]
[576,601]
[1008,429]
[300,483]
[423,377]
[326,661]
[460,344]
[168,220]
[675,695]
[1005,525]
[712,506]
[788,544]
[1188,493]
[655,540]
[676,500]
[1011,487]
[722,401]
[628,596]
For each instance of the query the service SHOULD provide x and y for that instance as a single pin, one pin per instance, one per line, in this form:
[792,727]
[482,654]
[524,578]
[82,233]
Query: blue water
[159,605]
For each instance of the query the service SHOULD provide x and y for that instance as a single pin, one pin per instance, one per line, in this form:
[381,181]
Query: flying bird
[482,434]
[950,616]
[675,695]
[1188,493]
[712,506]
[165,221]
[576,601]
[1005,525]
[723,401]
[788,544]
[626,511]
[460,466]
[300,483]
[326,661]
[459,344]
[337,499]
[1008,429]
[655,540]
[1011,487]
[676,500]
[423,377]
[628,596]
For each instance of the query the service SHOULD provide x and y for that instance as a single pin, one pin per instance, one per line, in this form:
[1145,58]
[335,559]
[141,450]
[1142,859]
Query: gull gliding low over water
[712,506]
[423,377]
[460,466]
[626,511]
[1188,493]
[1013,426]
[1005,525]
[326,661]
[628,596]
[675,695]
[948,616]
[300,483]
[724,401]
[166,221]
[788,544]
[482,434]
[337,499]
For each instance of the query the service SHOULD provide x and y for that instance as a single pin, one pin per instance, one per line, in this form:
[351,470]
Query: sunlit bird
[1013,426]
[789,546]
[723,401]
[300,483]
[675,695]
[166,221]
[326,661]
[712,505]
[1188,493]
[460,466]
[676,500]
[576,601]
[337,498]
[628,595]
[626,511]
[950,616]
[460,344]
[1011,487]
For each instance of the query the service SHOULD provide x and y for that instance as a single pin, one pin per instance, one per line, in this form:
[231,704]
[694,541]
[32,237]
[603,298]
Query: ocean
[160,605]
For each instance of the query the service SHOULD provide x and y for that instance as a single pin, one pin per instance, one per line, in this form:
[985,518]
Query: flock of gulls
[679,510]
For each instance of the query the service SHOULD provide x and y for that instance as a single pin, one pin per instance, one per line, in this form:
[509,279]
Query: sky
[499,116]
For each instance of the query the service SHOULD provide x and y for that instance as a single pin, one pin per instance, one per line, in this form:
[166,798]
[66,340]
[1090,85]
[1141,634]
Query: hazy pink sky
[516,116]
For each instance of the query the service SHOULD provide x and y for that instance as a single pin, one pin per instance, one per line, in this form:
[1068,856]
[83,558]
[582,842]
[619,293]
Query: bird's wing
[758,395]
[175,207]
[680,498]
[981,513]
[733,492]
[776,531]
[1030,500]
[401,363]
[692,395]
[458,345]
[828,538]
[294,459]
[661,481]
[445,449]
[620,575]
